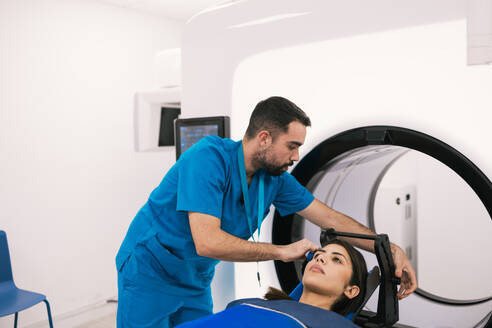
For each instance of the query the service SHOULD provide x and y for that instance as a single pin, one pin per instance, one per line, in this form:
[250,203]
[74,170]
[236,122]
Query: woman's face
[329,272]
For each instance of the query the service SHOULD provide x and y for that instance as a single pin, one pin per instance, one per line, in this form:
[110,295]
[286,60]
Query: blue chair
[13,299]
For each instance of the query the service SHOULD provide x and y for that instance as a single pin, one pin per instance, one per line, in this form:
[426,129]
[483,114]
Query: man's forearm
[226,247]
[211,241]
[342,222]
[326,217]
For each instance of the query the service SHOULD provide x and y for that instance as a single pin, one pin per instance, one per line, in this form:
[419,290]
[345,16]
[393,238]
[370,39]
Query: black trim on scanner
[376,135]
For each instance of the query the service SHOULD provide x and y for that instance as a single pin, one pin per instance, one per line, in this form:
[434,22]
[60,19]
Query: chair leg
[49,313]
[15,319]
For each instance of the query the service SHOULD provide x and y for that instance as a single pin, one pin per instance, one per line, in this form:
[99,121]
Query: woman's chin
[313,284]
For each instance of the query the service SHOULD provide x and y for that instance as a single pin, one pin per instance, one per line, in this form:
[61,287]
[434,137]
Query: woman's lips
[317,268]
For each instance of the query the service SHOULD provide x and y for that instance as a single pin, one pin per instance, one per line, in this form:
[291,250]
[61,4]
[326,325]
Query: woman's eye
[336,259]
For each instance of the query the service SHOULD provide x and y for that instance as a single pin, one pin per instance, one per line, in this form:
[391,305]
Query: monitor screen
[191,134]
[189,131]
[166,131]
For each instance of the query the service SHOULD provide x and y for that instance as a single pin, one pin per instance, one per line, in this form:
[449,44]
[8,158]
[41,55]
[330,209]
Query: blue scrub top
[205,179]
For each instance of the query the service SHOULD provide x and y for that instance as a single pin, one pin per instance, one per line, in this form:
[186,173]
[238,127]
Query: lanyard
[244,187]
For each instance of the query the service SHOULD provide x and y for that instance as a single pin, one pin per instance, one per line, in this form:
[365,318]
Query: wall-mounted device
[190,130]
[156,110]
[154,116]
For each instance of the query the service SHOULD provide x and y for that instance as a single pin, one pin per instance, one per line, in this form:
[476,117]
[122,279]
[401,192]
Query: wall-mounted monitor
[189,130]
[154,114]
[166,131]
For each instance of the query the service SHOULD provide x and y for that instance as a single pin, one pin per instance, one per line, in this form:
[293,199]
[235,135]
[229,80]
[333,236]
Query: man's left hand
[404,271]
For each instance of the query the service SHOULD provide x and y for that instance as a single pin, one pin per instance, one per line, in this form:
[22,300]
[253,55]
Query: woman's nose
[320,259]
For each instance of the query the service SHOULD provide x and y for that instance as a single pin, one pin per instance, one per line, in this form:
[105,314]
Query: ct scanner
[379,79]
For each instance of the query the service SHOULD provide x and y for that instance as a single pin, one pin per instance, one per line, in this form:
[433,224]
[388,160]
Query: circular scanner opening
[430,200]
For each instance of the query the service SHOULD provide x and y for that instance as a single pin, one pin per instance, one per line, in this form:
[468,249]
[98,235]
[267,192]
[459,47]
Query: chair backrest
[5,266]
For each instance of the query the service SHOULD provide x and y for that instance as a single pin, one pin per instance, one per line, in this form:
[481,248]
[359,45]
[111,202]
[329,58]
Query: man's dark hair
[274,114]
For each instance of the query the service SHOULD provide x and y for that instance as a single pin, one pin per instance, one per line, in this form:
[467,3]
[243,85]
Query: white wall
[70,180]
[414,77]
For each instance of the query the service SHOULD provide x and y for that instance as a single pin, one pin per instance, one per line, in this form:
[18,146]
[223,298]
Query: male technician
[208,205]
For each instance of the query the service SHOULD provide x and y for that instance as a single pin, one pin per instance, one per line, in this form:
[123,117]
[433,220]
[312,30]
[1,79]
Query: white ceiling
[174,9]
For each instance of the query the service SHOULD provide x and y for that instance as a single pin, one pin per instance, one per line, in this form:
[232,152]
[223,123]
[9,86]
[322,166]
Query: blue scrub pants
[144,301]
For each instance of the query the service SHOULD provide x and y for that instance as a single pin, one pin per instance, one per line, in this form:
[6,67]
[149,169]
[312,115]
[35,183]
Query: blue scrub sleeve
[201,181]
[291,197]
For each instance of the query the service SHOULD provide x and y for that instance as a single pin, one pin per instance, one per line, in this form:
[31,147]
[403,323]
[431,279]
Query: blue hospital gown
[258,313]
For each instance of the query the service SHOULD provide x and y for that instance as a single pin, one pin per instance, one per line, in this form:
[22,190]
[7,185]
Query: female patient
[334,283]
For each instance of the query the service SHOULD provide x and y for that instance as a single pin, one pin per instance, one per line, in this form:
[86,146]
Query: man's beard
[261,162]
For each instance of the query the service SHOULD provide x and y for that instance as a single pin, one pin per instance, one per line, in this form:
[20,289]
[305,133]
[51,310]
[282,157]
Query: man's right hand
[297,250]
[211,241]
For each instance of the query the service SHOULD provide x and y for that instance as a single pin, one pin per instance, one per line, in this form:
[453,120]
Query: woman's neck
[314,299]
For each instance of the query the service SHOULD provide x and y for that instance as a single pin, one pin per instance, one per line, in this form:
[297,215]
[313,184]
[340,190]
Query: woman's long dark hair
[343,305]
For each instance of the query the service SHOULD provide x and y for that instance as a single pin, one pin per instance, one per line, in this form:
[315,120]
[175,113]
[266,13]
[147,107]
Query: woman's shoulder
[246,301]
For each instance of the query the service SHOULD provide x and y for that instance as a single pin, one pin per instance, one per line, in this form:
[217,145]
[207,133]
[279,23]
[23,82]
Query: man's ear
[264,138]
[351,291]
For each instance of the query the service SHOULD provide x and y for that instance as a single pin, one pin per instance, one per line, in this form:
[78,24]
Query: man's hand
[296,250]
[404,271]
[211,241]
